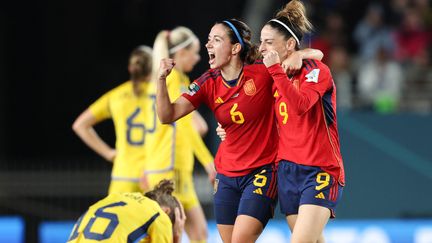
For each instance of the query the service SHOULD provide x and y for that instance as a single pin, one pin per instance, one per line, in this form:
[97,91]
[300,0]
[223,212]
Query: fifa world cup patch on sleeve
[193,88]
[313,75]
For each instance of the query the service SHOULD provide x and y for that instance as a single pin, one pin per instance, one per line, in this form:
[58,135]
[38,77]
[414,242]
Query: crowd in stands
[381,60]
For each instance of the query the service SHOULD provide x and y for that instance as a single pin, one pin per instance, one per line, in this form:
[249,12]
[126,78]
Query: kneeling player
[156,216]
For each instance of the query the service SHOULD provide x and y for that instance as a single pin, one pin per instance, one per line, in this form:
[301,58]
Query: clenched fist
[271,58]
[166,65]
[293,63]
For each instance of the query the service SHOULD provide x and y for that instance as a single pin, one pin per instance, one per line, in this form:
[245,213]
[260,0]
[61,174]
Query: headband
[286,27]
[234,29]
[182,45]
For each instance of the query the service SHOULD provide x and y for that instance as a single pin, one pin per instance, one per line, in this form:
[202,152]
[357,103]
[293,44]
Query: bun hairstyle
[145,54]
[239,32]
[167,43]
[162,193]
[292,21]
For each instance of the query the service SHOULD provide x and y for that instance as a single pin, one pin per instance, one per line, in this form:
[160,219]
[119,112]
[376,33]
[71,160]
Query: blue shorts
[253,195]
[301,184]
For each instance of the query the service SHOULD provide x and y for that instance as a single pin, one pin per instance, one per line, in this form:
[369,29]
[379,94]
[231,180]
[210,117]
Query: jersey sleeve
[317,82]
[100,108]
[197,91]
[161,230]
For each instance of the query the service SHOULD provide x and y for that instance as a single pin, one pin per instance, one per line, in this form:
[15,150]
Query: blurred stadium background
[56,57]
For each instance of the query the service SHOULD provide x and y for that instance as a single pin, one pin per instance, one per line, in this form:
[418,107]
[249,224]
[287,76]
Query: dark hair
[293,15]
[249,52]
[162,193]
[145,53]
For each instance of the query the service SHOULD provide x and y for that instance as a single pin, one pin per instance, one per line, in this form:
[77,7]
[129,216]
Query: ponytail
[160,50]
[292,21]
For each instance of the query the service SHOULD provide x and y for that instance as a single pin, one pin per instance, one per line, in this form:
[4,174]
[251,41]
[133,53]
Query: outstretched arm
[169,112]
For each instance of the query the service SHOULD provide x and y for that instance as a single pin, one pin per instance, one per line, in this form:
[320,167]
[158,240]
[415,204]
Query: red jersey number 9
[236,116]
[283,112]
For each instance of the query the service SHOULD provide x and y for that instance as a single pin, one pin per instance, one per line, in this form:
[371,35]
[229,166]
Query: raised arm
[169,112]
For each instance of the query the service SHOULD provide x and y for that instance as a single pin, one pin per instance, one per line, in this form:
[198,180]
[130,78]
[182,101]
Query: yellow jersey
[173,146]
[134,117]
[127,217]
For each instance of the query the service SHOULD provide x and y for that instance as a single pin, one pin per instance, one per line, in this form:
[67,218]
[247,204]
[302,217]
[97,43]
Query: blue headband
[235,32]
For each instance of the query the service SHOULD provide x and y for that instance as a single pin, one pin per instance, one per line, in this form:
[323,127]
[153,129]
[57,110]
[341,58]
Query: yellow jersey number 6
[283,112]
[236,116]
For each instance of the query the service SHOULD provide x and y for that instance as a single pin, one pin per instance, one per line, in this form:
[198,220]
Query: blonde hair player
[128,106]
[156,217]
[173,146]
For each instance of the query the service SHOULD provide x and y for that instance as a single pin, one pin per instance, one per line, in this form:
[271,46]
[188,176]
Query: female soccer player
[239,92]
[310,171]
[155,217]
[127,105]
[178,142]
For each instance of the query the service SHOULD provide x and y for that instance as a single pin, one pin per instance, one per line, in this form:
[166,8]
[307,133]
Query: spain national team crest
[215,186]
[249,87]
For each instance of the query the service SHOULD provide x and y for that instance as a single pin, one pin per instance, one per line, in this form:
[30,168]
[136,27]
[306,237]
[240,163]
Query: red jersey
[306,114]
[244,111]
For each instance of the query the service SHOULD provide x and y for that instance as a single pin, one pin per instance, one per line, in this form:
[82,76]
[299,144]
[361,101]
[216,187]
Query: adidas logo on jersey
[320,195]
[219,100]
[258,191]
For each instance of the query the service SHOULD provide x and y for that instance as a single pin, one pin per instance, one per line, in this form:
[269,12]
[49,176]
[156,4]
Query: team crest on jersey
[313,75]
[215,186]
[249,87]
[193,88]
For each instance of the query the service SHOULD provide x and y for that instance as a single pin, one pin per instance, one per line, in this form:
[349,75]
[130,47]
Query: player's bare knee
[303,240]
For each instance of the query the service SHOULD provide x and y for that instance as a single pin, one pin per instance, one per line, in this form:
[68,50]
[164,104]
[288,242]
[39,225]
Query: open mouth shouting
[212,58]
